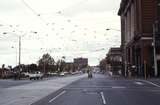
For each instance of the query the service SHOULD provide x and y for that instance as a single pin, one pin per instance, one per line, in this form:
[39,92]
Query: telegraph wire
[34,12]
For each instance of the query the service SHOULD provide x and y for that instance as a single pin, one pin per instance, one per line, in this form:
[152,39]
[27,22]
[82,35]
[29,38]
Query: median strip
[57,96]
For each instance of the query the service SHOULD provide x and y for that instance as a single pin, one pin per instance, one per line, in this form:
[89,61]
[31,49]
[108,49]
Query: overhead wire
[31,9]
[39,15]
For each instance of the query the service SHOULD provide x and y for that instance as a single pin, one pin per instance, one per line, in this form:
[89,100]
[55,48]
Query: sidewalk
[30,93]
[154,80]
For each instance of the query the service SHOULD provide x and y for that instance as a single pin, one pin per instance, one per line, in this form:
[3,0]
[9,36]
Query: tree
[3,66]
[103,64]
[33,67]
[61,65]
[2,72]
[10,67]
[46,63]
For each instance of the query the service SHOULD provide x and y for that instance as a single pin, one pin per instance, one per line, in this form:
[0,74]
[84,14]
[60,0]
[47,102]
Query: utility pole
[19,53]
[44,67]
[154,48]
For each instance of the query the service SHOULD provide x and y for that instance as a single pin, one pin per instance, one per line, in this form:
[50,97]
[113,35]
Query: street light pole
[20,49]
[154,49]
[19,53]
[19,38]
[112,29]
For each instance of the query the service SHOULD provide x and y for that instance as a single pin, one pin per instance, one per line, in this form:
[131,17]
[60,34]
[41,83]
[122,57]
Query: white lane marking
[118,87]
[103,99]
[139,83]
[57,96]
[151,83]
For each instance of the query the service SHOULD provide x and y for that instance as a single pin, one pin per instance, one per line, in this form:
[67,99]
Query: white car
[35,76]
[61,74]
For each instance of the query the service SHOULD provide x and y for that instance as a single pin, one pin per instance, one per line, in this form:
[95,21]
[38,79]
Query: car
[73,73]
[52,74]
[61,74]
[35,76]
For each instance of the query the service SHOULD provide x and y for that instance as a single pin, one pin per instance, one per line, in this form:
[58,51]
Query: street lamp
[19,40]
[112,29]
[155,32]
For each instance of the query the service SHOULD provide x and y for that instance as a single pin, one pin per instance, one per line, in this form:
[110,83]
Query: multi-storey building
[137,20]
[114,60]
[81,62]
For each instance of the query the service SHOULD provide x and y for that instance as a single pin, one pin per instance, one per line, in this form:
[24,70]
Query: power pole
[19,53]
[154,49]
[44,67]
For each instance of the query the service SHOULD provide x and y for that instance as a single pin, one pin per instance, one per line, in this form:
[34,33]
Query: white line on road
[151,83]
[103,99]
[57,96]
[138,83]
[118,87]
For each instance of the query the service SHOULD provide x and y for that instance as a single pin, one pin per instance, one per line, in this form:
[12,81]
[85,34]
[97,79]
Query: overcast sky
[70,28]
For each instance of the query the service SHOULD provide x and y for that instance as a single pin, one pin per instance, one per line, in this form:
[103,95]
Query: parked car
[52,74]
[35,76]
[61,74]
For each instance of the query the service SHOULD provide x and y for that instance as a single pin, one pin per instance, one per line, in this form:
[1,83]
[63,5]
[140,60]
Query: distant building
[103,65]
[137,20]
[81,62]
[69,67]
[114,60]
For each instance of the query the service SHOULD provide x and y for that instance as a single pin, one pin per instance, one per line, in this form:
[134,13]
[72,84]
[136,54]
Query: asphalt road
[6,83]
[103,90]
[10,83]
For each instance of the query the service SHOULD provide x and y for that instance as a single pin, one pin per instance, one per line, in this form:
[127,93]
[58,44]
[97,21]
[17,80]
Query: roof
[114,50]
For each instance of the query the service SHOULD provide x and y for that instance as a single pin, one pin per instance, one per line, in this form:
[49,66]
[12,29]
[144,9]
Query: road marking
[103,99]
[57,96]
[118,87]
[151,83]
[138,83]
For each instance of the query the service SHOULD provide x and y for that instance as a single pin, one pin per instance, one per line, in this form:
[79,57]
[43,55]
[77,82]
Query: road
[10,83]
[26,92]
[104,90]
[7,83]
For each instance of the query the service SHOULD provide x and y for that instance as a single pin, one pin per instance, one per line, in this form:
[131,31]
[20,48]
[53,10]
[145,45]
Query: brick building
[137,20]
[80,63]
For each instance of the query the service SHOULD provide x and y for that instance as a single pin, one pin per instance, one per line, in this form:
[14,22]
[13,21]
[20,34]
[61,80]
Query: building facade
[114,60]
[80,63]
[137,32]
[69,67]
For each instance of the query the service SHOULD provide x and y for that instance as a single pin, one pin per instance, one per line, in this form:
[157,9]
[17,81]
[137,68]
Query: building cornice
[124,6]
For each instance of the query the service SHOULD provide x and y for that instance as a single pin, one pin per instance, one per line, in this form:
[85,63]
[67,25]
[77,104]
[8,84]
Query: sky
[70,28]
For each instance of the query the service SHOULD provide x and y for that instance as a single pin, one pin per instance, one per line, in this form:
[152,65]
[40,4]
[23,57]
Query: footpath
[30,93]
[152,81]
